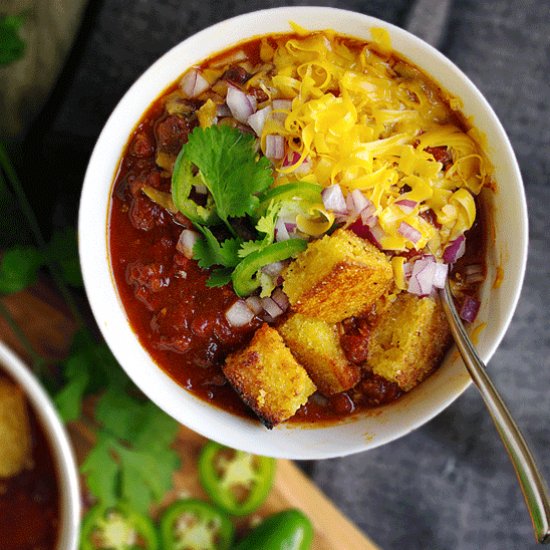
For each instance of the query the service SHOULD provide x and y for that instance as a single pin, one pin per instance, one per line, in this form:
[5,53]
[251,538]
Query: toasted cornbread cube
[316,345]
[15,431]
[268,378]
[337,277]
[409,340]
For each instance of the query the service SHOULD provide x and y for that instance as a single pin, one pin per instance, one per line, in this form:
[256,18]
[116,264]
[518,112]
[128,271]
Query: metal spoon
[530,480]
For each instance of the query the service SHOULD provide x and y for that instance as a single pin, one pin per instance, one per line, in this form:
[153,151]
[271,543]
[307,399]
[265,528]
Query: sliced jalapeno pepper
[117,528]
[193,524]
[310,192]
[243,278]
[286,530]
[236,481]
[182,183]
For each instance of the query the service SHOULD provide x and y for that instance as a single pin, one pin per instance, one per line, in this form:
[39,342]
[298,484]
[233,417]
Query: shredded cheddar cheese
[365,120]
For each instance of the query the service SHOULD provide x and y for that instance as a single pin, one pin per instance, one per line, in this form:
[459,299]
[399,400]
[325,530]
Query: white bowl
[67,470]
[509,251]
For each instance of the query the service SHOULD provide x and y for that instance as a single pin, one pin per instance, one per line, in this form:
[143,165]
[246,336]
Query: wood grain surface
[47,326]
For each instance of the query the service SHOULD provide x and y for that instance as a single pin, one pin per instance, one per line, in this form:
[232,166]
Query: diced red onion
[409,232]
[440,275]
[469,310]
[240,104]
[186,242]
[407,269]
[455,250]
[280,298]
[223,110]
[292,158]
[368,217]
[281,105]
[254,303]
[406,205]
[421,279]
[239,314]
[373,234]
[281,232]
[356,202]
[333,199]
[257,120]
[273,269]
[271,307]
[274,146]
[193,83]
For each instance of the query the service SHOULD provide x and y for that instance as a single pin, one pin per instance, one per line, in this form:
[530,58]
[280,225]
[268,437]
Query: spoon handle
[530,480]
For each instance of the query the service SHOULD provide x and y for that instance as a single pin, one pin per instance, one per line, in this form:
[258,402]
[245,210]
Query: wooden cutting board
[40,314]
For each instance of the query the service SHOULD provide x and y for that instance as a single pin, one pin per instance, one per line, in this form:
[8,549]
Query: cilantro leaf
[266,225]
[219,277]
[209,251]
[102,471]
[12,47]
[69,399]
[19,268]
[230,167]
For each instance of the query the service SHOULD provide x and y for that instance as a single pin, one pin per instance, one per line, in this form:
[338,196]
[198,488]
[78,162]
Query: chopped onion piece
[271,307]
[281,232]
[455,250]
[279,108]
[469,310]
[186,242]
[356,202]
[407,206]
[409,232]
[240,104]
[421,280]
[193,83]
[254,303]
[333,199]
[274,146]
[473,273]
[239,314]
[223,110]
[368,217]
[273,269]
[280,298]
[440,275]
[201,189]
[257,120]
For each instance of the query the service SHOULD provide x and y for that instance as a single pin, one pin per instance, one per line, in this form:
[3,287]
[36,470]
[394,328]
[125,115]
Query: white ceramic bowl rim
[67,470]
[365,432]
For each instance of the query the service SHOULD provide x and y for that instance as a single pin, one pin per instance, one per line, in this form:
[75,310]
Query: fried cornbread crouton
[268,378]
[408,340]
[316,345]
[336,277]
[15,431]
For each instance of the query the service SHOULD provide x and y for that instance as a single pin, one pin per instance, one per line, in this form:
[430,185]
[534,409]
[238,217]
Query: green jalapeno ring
[213,529]
[254,472]
[182,182]
[141,525]
[243,279]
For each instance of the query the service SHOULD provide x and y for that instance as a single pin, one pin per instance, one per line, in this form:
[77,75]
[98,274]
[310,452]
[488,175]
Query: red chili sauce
[29,501]
[180,321]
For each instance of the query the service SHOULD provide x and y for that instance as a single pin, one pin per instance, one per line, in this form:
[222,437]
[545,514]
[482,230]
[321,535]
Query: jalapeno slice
[286,530]
[117,528]
[303,190]
[192,524]
[244,281]
[238,482]
[183,181]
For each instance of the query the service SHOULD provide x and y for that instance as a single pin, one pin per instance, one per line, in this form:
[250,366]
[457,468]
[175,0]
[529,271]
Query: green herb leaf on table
[12,46]
[19,268]
[63,249]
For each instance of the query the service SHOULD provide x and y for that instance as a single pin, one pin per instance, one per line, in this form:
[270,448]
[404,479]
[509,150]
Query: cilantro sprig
[226,161]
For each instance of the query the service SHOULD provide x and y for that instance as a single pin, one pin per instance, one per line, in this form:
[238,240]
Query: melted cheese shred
[364,119]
